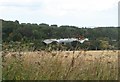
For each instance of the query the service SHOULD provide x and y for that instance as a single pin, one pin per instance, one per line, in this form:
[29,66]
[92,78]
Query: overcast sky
[81,13]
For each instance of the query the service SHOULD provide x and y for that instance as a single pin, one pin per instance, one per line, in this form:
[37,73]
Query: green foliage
[99,37]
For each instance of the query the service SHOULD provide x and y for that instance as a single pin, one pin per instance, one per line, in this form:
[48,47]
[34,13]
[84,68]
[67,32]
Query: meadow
[61,65]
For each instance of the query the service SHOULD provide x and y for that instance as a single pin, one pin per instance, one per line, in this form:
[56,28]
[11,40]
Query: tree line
[31,35]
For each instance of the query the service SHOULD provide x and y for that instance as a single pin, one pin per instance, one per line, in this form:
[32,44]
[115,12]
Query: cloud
[61,11]
[64,7]
[20,4]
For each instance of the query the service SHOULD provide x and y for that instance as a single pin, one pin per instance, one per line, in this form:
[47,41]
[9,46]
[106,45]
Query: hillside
[31,35]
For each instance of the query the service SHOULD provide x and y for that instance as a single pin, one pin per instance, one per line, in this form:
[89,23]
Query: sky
[81,13]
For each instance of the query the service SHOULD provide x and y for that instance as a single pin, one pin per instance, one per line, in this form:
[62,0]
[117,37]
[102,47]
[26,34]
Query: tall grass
[60,65]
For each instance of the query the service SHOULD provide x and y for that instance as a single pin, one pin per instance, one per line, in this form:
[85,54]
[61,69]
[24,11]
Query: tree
[104,44]
[99,37]
[16,21]
[54,25]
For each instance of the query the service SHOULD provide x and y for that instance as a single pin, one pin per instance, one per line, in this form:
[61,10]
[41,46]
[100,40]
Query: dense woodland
[30,36]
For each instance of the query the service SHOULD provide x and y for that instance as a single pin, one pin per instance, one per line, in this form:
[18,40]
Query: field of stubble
[61,65]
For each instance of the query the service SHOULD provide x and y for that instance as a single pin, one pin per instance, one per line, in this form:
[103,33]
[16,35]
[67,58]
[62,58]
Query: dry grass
[61,65]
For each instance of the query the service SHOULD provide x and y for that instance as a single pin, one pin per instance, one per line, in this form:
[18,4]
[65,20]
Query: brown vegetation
[61,65]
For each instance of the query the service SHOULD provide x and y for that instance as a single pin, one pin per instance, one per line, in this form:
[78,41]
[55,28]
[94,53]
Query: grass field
[61,65]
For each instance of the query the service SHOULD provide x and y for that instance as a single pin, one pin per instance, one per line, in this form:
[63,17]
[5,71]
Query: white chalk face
[65,40]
